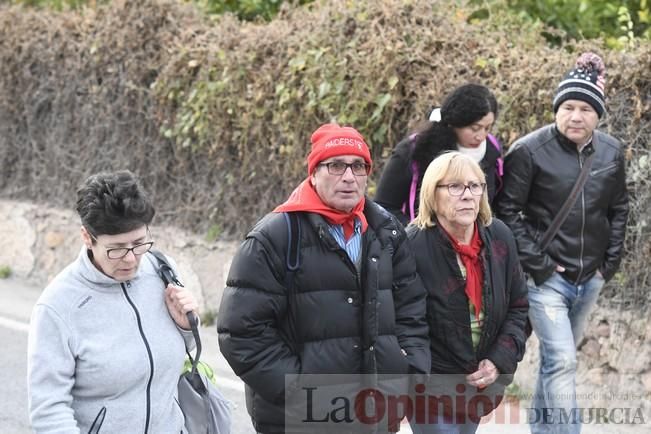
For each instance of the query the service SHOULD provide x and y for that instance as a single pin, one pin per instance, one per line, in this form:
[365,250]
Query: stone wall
[614,363]
[39,242]
[614,356]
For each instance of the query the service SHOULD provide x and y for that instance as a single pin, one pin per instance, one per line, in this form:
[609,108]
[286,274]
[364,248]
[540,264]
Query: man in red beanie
[325,284]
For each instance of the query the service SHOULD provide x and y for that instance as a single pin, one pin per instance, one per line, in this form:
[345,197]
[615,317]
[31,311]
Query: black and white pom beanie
[585,82]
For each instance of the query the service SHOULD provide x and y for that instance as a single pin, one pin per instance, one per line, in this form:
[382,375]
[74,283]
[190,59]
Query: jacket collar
[570,146]
[377,217]
[483,234]
[89,272]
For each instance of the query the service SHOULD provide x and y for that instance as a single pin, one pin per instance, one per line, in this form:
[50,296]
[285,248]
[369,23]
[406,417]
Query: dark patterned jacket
[504,301]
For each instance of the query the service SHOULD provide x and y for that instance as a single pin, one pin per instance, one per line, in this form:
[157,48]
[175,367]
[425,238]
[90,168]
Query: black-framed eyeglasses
[457,189]
[121,252]
[338,168]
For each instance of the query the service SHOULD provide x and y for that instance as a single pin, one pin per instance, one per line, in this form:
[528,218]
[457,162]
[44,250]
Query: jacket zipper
[485,334]
[603,169]
[98,422]
[151,359]
[346,259]
[578,276]
[488,283]
[358,275]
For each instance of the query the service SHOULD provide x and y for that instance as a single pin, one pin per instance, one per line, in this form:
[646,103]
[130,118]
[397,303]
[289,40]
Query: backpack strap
[500,161]
[412,190]
[410,204]
[293,260]
[292,263]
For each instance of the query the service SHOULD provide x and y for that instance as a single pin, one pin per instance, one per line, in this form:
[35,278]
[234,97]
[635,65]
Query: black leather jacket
[540,171]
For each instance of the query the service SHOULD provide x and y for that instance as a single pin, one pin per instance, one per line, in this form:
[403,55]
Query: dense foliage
[248,9]
[617,21]
[216,114]
[59,5]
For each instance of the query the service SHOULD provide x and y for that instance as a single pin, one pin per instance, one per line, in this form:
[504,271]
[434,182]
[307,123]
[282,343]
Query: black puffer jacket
[504,301]
[540,171]
[342,321]
[395,183]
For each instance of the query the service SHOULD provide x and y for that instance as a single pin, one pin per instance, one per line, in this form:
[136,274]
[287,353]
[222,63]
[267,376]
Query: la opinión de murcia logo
[371,406]
[325,406]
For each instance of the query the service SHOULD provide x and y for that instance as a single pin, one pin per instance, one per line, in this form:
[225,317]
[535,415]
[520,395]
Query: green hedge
[216,115]
[617,21]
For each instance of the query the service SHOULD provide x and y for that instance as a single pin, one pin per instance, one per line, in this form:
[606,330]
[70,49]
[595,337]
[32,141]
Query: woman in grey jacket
[107,339]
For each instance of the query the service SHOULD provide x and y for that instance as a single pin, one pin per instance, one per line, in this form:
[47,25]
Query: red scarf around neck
[469,254]
[305,198]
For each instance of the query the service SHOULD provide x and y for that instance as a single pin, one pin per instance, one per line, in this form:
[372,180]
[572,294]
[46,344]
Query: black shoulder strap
[555,225]
[292,263]
[164,270]
[168,275]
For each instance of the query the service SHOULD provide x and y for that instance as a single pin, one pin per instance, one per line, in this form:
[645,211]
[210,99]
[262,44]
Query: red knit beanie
[330,140]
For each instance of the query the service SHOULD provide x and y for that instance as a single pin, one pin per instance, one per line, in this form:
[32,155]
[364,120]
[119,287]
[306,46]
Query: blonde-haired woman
[477,295]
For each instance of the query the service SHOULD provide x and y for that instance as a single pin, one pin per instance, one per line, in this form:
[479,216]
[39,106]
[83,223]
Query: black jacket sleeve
[511,203]
[508,347]
[409,298]
[253,303]
[617,216]
[393,188]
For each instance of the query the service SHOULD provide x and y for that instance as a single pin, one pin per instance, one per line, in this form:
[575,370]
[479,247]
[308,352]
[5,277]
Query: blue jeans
[558,311]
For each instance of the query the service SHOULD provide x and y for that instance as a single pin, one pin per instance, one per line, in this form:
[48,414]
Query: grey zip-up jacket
[105,356]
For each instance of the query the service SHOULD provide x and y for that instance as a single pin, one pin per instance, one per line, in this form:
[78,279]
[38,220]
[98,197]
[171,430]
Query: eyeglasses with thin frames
[339,168]
[458,189]
[121,252]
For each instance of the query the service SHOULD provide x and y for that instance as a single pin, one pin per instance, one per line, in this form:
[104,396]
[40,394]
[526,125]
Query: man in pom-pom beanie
[325,284]
[569,244]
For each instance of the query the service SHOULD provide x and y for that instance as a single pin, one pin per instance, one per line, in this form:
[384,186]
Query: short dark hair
[111,203]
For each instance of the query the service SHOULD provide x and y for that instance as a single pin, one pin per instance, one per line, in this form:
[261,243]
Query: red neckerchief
[305,198]
[469,254]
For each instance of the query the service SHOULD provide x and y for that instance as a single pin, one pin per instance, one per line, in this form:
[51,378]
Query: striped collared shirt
[354,245]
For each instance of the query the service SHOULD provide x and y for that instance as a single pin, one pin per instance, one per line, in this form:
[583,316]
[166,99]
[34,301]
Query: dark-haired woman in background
[462,124]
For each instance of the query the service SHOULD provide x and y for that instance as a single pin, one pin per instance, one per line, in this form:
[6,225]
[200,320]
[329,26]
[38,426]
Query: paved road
[13,396]
[15,306]
[16,301]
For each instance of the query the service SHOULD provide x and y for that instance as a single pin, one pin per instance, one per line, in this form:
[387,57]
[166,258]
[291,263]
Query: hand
[484,376]
[179,301]
[560,269]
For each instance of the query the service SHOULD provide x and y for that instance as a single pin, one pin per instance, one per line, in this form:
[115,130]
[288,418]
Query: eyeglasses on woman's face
[458,189]
[121,252]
